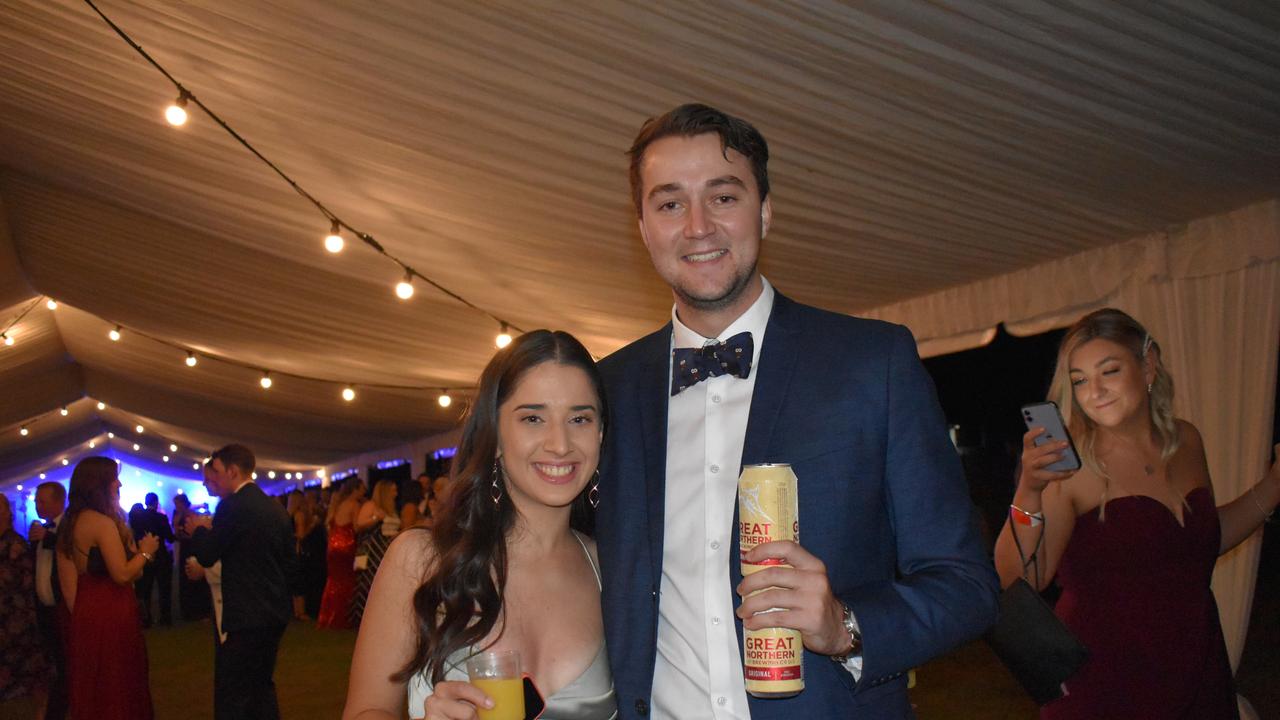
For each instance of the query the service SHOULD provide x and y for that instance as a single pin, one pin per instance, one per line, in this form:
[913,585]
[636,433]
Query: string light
[176,113]
[404,288]
[173,447]
[51,304]
[191,359]
[23,431]
[42,476]
[8,340]
[139,429]
[136,447]
[320,473]
[333,242]
[265,382]
[254,475]
[195,466]
[64,411]
[184,95]
[348,393]
[65,462]
[115,334]
[164,458]
[111,436]
[504,337]
[93,444]
[271,474]
[444,399]
[288,476]
[102,405]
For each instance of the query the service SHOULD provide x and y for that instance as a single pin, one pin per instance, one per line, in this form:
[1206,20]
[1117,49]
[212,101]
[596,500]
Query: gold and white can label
[768,510]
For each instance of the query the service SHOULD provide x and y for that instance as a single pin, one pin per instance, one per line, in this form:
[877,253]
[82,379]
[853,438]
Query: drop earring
[593,495]
[495,490]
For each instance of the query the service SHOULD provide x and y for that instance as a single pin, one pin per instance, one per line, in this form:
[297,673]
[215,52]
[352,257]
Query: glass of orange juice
[497,673]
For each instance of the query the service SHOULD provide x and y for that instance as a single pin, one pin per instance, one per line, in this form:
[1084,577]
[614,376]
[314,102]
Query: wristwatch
[855,637]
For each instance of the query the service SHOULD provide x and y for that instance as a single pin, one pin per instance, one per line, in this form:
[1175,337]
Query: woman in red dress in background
[341,585]
[107,659]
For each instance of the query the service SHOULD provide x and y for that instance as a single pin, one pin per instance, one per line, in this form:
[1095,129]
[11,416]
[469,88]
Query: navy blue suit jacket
[883,503]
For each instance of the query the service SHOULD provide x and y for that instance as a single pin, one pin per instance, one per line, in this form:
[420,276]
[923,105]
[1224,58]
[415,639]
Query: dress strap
[590,560]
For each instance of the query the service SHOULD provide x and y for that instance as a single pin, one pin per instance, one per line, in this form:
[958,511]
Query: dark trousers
[55,626]
[158,572]
[243,665]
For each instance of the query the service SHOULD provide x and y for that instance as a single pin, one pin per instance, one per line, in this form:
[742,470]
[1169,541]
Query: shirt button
[715,468]
[715,398]
[715,621]
[721,701]
[715,544]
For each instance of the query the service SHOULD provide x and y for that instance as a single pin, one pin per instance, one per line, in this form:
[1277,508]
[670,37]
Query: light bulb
[7,340]
[265,382]
[173,447]
[159,483]
[333,242]
[65,462]
[164,458]
[111,435]
[102,405]
[63,412]
[176,113]
[404,288]
[504,337]
[195,466]
[191,359]
[320,473]
[19,488]
[444,399]
[348,393]
[254,476]
[138,429]
[51,304]
[288,476]
[41,476]
[23,431]
[136,447]
[93,444]
[271,474]
[114,334]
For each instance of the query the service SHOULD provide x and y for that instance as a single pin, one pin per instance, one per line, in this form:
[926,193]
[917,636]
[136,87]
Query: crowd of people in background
[124,569]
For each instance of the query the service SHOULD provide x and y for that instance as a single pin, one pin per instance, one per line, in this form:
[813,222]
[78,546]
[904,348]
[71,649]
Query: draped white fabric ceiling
[915,146]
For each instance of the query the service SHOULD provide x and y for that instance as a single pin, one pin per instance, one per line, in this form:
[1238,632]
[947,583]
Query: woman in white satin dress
[508,565]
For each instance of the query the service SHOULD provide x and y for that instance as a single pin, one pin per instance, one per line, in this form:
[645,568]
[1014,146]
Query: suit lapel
[776,368]
[654,388]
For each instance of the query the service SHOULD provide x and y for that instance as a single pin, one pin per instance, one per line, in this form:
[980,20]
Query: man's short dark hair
[59,493]
[696,119]
[152,499]
[238,455]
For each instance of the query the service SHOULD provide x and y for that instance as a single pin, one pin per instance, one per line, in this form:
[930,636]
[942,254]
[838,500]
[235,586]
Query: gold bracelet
[1266,516]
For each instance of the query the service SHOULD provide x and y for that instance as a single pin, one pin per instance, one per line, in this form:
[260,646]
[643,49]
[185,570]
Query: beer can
[768,510]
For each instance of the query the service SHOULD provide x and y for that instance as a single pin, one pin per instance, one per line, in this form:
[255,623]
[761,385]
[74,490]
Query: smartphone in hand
[1046,415]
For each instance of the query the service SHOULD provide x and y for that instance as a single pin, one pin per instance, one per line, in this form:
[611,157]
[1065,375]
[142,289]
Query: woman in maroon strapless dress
[1132,536]
[340,586]
[107,656]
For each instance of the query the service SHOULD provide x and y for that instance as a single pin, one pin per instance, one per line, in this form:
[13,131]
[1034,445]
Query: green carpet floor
[311,678]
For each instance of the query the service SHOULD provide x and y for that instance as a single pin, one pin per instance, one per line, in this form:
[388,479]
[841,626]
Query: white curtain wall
[1208,292]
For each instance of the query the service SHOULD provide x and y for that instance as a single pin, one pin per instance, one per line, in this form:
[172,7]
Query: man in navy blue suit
[890,571]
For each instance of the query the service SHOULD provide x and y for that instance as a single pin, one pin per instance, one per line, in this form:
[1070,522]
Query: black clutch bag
[1034,644]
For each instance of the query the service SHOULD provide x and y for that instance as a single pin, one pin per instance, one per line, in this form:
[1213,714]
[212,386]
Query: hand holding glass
[498,675]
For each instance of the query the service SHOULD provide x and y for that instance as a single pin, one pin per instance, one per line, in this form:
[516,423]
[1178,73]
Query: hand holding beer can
[768,511]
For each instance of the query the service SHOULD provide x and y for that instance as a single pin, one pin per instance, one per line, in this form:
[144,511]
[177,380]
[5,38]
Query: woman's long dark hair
[459,602]
[91,490]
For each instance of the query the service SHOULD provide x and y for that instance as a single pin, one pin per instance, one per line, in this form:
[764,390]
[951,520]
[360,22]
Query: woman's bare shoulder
[412,552]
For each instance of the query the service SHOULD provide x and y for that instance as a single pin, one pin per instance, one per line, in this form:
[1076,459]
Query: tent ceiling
[915,147]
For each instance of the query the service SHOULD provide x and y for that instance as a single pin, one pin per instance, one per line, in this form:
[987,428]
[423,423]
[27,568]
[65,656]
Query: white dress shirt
[698,671]
[44,569]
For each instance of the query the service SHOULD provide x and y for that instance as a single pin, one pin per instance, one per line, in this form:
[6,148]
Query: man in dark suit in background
[160,572]
[251,534]
[51,612]
[890,571]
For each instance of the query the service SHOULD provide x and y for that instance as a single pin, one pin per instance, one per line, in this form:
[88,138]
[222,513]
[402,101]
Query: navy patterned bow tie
[690,366]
